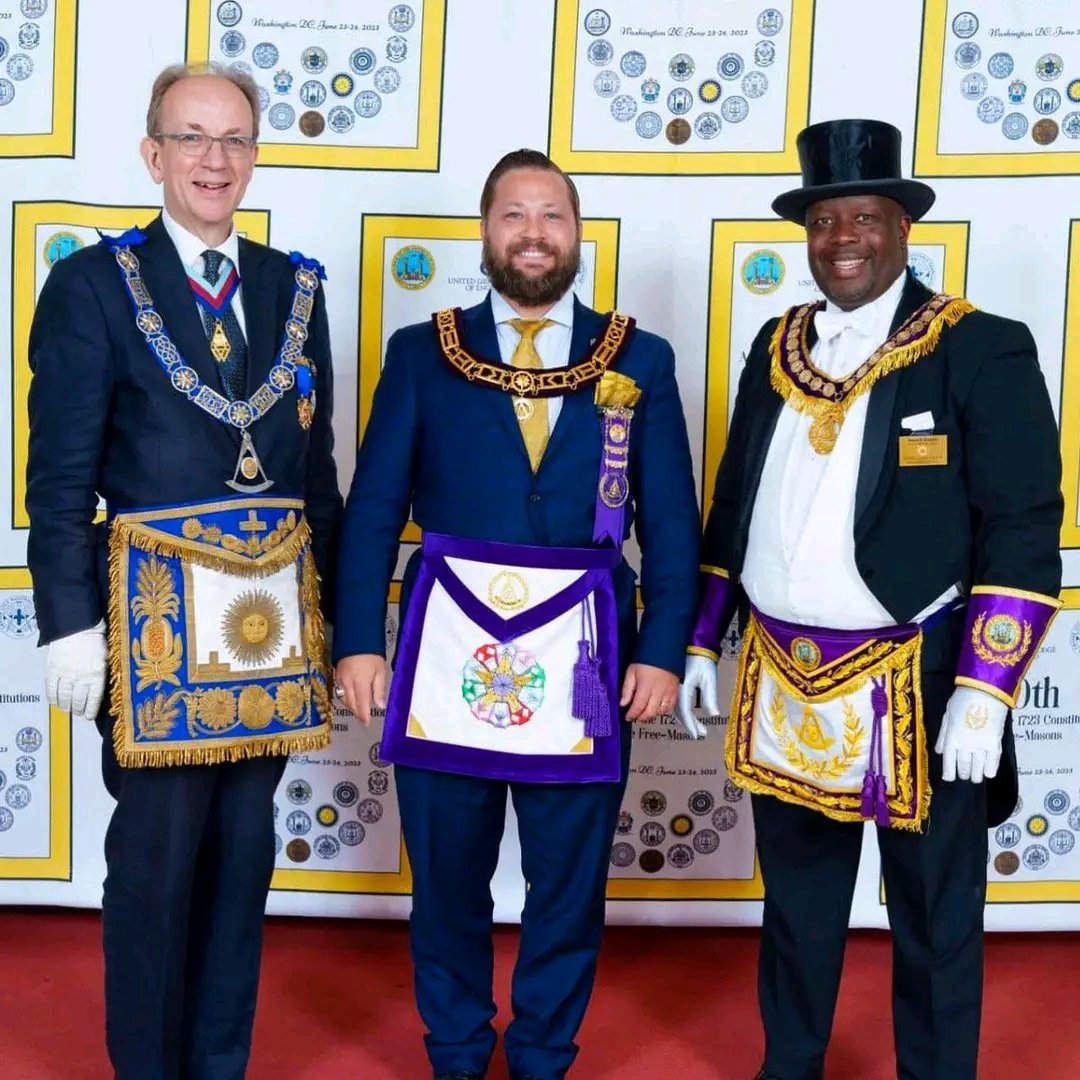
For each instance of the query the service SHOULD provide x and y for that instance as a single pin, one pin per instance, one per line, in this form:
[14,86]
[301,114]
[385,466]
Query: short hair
[524,159]
[175,73]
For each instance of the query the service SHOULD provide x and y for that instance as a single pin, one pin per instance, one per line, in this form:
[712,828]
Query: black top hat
[851,157]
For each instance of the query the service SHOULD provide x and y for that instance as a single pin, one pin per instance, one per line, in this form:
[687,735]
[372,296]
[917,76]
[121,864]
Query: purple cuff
[716,605]
[1003,632]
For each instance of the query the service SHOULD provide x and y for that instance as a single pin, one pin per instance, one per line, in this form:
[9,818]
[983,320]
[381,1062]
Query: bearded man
[526,433]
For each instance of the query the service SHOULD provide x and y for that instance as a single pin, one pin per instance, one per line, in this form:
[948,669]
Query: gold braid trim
[909,736]
[917,337]
[526,383]
[134,534]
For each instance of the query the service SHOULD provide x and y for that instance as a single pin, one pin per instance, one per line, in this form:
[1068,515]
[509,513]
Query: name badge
[924,450]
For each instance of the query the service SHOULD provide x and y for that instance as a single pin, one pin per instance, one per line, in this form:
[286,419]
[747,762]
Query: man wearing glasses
[182,374]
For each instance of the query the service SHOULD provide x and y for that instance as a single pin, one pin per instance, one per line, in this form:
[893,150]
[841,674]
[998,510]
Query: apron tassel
[589,699]
[874,803]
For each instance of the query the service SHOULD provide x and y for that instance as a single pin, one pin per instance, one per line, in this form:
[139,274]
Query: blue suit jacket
[104,418]
[453,451]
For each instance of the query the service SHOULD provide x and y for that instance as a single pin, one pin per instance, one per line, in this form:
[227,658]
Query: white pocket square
[923,421]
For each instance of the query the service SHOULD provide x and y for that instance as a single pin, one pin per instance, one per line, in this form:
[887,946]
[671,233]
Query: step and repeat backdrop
[678,118]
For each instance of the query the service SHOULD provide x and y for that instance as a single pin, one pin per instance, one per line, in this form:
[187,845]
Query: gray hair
[175,73]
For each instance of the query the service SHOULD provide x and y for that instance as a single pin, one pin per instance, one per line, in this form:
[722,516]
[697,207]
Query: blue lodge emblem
[413,267]
[763,273]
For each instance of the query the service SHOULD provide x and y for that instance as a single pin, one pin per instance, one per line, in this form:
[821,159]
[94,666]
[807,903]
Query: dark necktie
[234,368]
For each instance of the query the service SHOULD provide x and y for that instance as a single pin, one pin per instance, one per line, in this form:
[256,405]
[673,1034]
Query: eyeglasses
[196,143]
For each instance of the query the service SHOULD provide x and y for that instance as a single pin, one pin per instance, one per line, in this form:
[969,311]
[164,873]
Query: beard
[531,290]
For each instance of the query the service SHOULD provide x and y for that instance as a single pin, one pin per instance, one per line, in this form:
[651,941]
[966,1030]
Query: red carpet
[670,1003]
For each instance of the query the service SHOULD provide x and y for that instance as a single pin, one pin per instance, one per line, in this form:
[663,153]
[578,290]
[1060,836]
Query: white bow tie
[831,324]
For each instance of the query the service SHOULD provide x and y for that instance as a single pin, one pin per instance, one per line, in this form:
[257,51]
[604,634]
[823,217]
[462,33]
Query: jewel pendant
[524,409]
[248,476]
[219,343]
[824,432]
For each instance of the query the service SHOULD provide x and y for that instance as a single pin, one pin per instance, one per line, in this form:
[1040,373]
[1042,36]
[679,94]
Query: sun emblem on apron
[252,627]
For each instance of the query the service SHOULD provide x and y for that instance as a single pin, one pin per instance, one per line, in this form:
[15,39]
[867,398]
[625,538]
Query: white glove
[75,671]
[700,675]
[971,732]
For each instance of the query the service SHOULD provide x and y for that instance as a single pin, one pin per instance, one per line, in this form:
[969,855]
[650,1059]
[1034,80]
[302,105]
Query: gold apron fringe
[222,752]
[133,534]
[743,703]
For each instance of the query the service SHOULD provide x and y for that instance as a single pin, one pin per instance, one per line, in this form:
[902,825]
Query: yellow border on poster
[355,882]
[929,160]
[56,866]
[1070,397]
[1039,892]
[378,228]
[723,274]
[424,157]
[674,163]
[60,141]
[27,216]
[689,888]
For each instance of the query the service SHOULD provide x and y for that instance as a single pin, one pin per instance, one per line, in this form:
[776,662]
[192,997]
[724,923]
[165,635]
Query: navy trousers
[935,890]
[453,825]
[189,853]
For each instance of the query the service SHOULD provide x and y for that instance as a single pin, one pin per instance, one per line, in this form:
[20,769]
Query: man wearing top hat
[888,532]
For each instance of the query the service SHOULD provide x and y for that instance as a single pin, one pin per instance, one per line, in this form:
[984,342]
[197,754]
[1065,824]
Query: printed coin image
[7,819]
[701,802]
[265,54]
[3,779]
[298,850]
[625,823]
[1006,862]
[312,93]
[597,22]
[755,84]
[326,815]
[28,740]
[967,55]
[228,13]
[1056,801]
[633,64]
[402,18]
[1018,807]
[678,131]
[1008,835]
[1014,126]
[624,108]
[386,80]
[622,854]
[25,768]
[706,841]
[327,847]
[606,84]
[1049,67]
[600,52]
[298,792]
[965,24]
[652,834]
[397,48]
[653,803]
[1000,65]
[764,54]
[682,825]
[298,822]
[1070,125]
[680,101]
[1046,101]
[651,861]
[973,85]
[709,91]
[648,125]
[725,817]
[1045,131]
[17,796]
[367,104]
[362,61]
[681,67]
[313,60]
[680,856]
[277,844]
[1074,815]
[376,758]
[340,119]
[1061,842]
[351,833]
[369,811]
[770,22]
[281,116]
[732,791]
[232,43]
[1035,856]
[1037,825]
[378,782]
[312,124]
[346,793]
[734,109]
[729,66]
[990,110]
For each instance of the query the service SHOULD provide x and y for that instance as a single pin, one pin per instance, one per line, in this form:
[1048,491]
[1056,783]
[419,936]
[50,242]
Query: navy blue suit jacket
[453,451]
[104,418]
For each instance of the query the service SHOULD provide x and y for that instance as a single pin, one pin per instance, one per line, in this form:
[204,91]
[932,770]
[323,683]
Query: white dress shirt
[190,249]
[552,343]
[800,557]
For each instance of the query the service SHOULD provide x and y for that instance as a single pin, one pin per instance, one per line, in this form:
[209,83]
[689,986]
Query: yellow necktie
[532,413]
